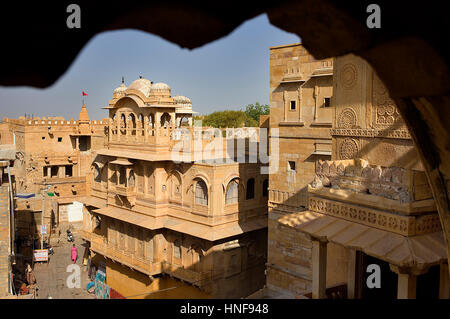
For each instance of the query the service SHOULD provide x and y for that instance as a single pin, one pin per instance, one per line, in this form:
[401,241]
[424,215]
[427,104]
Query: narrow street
[52,276]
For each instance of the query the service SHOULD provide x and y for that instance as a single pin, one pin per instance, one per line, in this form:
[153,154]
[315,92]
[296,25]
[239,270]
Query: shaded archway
[405,49]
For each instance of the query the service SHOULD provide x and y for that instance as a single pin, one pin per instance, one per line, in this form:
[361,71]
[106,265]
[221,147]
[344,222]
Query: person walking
[74,254]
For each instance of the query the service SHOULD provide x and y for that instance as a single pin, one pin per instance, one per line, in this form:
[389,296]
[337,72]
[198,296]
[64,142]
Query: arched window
[176,249]
[97,174]
[265,190]
[132,120]
[201,193]
[250,191]
[131,179]
[165,120]
[122,175]
[232,194]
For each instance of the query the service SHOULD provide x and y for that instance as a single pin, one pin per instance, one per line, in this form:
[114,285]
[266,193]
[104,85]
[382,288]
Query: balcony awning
[128,216]
[92,201]
[122,161]
[418,252]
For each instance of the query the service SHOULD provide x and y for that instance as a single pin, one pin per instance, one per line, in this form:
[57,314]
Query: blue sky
[226,74]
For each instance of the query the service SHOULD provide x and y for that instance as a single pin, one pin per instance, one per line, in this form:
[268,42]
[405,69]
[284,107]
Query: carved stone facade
[371,201]
[300,119]
[53,155]
[197,218]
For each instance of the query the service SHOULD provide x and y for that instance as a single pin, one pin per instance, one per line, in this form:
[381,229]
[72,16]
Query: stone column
[127,114]
[354,274]
[407,281]
[444,282]
[145,127]
[319,269]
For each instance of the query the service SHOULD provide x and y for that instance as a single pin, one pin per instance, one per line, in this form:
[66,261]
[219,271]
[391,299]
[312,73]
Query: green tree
[224,119]
[254,111]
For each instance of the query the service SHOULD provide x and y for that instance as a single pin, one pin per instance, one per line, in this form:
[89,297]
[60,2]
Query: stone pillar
[145,127]
[406,286]
[127,114]
[444,282]
[319,269]
[407,282]
[354,274]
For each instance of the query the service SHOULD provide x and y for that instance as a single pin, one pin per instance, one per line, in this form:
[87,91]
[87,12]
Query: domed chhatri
[120,90]
[142,85]
[160,87]
[182,101]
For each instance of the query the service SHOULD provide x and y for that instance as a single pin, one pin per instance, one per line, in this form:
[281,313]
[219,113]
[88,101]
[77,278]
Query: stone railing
[100,245]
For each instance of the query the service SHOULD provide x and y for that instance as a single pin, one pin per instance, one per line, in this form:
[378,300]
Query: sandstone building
[301,89]
[51,157]
[369,205]
[156,221]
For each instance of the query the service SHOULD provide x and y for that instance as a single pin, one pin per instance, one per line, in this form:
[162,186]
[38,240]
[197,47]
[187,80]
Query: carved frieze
[359,132]
[403,225]
[347,118]
[348,76]
[385,112]
[348,149]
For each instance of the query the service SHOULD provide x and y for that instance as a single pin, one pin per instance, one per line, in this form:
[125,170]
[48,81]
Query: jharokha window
[131,179]
[201,193]
[97,175]
[232,194]
[177,249]
[250,192]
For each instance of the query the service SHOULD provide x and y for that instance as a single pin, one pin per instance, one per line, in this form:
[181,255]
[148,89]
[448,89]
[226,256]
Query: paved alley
[52,276]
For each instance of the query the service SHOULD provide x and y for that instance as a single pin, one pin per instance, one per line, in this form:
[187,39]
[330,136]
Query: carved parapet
[406,225]
[358,175]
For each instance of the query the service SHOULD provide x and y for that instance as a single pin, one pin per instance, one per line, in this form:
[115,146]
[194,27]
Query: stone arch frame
[239,188]
[141,126]
[174,173]
[193,186]
[413,51]
[122,124]
[163,120]
[132,122]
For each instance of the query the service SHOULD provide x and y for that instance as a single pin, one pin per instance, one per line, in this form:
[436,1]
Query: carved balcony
[129,192]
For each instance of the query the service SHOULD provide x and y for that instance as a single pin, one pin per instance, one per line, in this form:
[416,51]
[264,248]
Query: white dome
[182,101]
[120,89]
[142,85]
[160,86]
